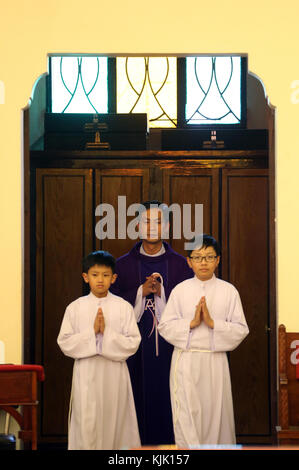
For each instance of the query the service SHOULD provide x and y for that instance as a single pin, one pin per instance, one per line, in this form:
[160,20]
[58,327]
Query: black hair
[207,240]
[101,258]
[153,204]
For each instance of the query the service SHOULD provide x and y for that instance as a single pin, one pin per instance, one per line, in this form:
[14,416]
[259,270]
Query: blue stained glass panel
[79,84]
[213,89]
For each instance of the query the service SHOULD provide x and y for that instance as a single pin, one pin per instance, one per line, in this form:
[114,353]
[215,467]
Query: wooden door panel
[63,238]
[110,184]
[193,186]
[245,263]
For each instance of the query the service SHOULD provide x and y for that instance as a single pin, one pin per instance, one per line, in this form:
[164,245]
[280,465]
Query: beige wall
[29,29]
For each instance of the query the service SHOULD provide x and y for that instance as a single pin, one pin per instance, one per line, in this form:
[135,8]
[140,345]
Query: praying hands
[202,314]
[99,322]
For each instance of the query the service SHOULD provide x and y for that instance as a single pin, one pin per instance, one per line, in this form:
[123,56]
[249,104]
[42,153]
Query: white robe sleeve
[73,344]
[227,334]
[160,303]
[118,346]
[174,328]
[139,306]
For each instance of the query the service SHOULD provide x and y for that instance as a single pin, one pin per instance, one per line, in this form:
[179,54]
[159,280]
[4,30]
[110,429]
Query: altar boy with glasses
[203,319]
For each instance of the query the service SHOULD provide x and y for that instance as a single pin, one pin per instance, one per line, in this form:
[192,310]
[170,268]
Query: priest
[146,276]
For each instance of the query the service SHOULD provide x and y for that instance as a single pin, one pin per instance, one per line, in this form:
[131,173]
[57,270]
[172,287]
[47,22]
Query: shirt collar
[96,299]
[159,253]
[207,283]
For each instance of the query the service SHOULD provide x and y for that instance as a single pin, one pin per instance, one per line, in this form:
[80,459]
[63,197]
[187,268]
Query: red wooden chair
[18,387]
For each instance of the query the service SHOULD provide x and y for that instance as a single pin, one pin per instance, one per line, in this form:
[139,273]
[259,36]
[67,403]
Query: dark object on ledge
[67,131]
[213,143]
[95,127]
[203,139]
[7,442]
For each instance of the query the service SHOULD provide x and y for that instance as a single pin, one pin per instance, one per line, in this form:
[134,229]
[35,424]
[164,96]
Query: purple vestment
[150,373]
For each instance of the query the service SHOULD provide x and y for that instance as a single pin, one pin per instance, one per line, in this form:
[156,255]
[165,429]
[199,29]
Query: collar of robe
[206,283]
[99,299]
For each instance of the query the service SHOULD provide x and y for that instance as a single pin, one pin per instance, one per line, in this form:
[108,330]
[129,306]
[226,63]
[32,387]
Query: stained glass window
[213,90]
[148,85]
[79,84]
[173,92]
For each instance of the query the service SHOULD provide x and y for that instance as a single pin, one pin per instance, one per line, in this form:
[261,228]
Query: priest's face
[99,278]
[204,262]
[150,226]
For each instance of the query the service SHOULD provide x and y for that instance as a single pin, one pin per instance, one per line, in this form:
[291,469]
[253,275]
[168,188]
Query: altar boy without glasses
[203,319]
[100,332]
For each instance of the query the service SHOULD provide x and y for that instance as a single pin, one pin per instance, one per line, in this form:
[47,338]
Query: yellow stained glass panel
[148,85]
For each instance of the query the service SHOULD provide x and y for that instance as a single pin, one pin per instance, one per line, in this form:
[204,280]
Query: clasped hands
[151,286]
[99,322]
[202,315]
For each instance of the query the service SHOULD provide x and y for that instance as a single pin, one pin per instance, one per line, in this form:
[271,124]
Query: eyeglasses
[199,259]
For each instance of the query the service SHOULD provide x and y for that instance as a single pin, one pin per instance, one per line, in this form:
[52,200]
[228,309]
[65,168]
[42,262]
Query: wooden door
[193,186]
[63,237]
[132,184]
[245,263]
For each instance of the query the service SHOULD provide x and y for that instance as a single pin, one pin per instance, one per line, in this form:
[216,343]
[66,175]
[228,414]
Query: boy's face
[203,262]
[99,278]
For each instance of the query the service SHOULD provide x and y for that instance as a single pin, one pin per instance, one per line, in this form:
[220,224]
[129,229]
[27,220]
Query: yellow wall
[29,29]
